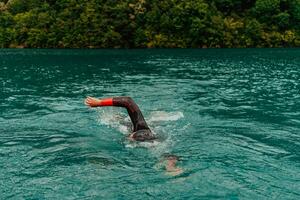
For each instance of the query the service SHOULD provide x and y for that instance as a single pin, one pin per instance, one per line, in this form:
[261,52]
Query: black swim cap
[143,135]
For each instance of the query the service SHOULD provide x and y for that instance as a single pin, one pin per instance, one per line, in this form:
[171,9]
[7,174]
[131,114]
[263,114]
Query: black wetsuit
[141,131]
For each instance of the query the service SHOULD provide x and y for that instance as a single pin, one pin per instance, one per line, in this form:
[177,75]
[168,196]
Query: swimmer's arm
[94,102]
[116,101]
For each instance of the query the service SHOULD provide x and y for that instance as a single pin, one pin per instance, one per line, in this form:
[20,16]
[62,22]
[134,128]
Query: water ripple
[232,116]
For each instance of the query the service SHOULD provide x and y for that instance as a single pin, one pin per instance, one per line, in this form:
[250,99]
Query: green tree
[143,23]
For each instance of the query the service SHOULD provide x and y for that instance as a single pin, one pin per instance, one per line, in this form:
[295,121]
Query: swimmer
[141,131]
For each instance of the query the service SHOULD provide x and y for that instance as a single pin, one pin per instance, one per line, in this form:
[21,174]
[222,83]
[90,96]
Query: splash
[165,116]
[119,120]
[147,145]
[114,118]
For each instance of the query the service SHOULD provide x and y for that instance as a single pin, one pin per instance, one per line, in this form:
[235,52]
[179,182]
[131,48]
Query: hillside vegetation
[149,23]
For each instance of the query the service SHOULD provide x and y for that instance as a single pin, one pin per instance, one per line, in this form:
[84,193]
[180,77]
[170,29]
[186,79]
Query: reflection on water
[232,116]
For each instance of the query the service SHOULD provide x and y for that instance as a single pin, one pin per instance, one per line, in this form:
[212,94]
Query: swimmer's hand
[174,172]
[92,102]
[169,163]
[172,169]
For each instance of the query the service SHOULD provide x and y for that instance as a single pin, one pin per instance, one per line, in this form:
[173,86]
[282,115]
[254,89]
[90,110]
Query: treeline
[149,23]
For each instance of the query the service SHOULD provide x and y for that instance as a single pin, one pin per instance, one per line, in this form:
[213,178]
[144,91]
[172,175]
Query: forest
[149,23]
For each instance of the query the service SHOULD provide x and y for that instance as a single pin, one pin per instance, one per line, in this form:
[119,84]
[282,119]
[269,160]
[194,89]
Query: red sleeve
[106,102]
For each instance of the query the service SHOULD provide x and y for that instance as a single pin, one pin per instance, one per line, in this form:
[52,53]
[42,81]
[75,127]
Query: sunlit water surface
[232,116]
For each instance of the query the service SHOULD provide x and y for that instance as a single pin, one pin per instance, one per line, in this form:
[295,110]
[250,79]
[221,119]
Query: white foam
[165,116]
[148,145]
[115,118]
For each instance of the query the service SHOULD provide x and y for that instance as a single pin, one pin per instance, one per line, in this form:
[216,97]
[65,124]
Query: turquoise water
[232,116]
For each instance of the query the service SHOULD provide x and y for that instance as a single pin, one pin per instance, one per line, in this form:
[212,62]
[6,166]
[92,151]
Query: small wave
[143,144]
[165,116]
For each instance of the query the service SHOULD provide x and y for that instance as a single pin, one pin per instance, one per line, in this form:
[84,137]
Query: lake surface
[231,115]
